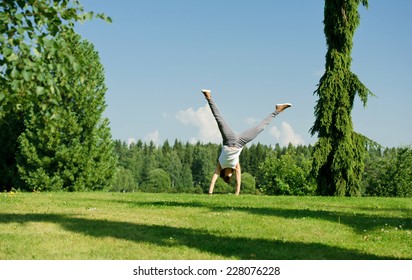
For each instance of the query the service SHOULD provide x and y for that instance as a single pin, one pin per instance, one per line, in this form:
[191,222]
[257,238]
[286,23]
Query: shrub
[124,181]
[158,181]
[248,184]
[287,175]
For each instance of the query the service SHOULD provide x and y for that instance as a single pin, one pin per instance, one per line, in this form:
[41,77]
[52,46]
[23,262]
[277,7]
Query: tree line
[270,170]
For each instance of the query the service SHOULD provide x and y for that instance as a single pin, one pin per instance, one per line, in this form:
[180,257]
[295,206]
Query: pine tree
[202,166]
[338,158]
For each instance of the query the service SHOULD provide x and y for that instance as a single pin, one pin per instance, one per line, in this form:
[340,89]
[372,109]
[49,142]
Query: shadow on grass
[167,236]
[360,222]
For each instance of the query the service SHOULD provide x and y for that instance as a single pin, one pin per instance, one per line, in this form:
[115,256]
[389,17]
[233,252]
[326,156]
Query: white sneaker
[206,93]
[281,107]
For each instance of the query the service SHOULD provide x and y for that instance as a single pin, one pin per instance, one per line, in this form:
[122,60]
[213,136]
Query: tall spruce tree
[69,146]
[338,158]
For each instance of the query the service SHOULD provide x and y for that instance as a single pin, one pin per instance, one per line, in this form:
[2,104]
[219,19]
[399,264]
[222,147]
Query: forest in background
[271,170]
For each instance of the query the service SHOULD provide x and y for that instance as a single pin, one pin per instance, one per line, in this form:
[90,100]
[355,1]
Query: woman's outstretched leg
[253,132]
[229,137]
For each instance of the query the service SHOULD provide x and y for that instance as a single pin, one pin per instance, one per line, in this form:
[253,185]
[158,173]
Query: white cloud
[275,132]
[193,140]
[286,135]
[153,136]
[131,141]
[203,119]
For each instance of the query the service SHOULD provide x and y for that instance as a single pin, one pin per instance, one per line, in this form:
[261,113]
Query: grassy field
[183,226]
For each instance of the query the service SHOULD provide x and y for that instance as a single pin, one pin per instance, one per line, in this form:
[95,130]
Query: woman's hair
[224,177]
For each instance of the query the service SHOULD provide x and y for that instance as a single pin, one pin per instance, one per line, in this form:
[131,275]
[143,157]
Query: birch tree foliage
[27,42]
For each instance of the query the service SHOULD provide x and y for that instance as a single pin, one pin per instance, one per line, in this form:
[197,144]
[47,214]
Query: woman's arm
[238,178]
[214,178]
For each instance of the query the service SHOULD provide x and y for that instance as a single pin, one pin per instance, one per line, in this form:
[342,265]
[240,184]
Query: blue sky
[158,54]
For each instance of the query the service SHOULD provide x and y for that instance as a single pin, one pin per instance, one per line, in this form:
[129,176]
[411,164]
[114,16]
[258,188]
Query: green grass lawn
[183,226]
